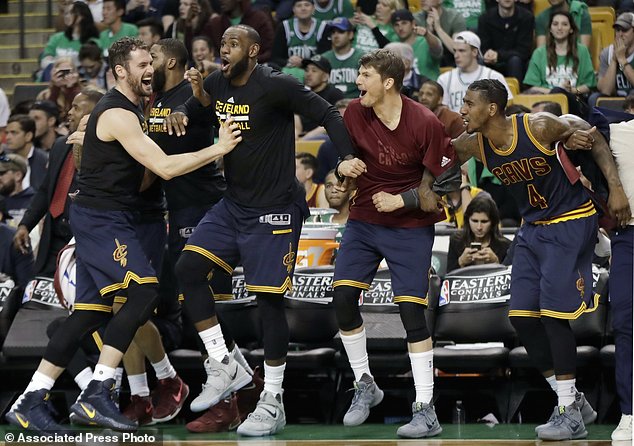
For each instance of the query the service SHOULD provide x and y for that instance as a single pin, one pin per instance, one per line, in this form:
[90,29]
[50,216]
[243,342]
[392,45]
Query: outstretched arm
[467,147]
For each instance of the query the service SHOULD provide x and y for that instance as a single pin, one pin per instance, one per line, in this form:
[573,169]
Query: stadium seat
[24,91]
[414,5]
[529,99]
[613,103]
[514,85]
[539,6]
[601,11]
[308,146]
[462,322]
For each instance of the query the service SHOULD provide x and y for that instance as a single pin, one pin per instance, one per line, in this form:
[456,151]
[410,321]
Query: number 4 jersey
[543,192]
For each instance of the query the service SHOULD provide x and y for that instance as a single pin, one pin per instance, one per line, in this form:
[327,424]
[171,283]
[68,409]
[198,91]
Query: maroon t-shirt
[396,160]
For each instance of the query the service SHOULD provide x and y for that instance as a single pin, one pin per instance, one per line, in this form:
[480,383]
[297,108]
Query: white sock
[103,372]
[138,385]
[357,352]
[83,378]
[214,342]
[38,381]
[566,391]
[273,378]
[164,369]
[552,382]
[423,372]
[237,355]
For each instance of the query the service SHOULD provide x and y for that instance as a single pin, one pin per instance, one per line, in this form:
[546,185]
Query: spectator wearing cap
[506,32]
[20,136]
[329,9]
[616,72]
[17,197]
[579,12]
[13,263]
[317,72]
[427,47]
[468,70]
[442,22]
[430,95]
[343,57]
[233,12]
[296,38]
[45,114]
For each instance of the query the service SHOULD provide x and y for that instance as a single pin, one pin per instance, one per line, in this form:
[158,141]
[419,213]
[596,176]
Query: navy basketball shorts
[152,235]
[182,223]
[552,269]
[109,256]
[407,252]
[264,241]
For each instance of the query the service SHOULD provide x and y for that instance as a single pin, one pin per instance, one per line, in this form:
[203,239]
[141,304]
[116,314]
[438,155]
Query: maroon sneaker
[140,409]
[222,417]
[168,397]
[249,395]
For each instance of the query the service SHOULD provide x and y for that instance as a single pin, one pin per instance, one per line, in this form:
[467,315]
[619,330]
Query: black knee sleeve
[192,270]
[67,338]
[562,345]
[142,300]
[346,302]
[54,326]
[532,334]
[274,325]
[413,318]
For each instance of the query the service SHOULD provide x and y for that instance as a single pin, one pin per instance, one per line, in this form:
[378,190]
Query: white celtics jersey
[456,82]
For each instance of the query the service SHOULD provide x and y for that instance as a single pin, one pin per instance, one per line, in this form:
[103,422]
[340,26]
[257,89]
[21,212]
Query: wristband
[339,177]
[410,199]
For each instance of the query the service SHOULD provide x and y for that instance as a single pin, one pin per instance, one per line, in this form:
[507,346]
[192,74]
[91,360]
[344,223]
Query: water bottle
[458,415]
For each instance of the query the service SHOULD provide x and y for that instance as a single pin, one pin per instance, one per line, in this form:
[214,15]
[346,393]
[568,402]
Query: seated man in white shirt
[468,70]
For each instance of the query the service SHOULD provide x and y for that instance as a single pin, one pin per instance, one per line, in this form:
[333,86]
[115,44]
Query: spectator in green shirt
[113,11]
[427,48]
[562,65]
[442,22]
[579,12]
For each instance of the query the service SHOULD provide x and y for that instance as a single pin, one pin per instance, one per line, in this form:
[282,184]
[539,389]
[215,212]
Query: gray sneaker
[366,395]
[268,418]
[587,412]
[424,422]
[222,379]
[566,424]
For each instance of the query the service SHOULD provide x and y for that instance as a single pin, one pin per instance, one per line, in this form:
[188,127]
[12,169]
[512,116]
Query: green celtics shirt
[345,70]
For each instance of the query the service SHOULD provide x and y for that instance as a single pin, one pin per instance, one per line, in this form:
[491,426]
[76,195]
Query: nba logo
[444,294]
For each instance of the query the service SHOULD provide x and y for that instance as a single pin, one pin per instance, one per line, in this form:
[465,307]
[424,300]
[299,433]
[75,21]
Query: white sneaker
[222,379]
[623,431]
[268,418]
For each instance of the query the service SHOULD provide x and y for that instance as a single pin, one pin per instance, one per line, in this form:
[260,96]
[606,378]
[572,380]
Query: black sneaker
[34,413]
[98,408]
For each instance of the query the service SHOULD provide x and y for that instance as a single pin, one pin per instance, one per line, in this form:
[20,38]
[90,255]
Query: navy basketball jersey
[535,177]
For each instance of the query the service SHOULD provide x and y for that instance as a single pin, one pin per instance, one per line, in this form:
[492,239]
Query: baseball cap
[470,38]
[625,21]
[11,161]
[341,23]
[47,106]
[402,14]
[320,62]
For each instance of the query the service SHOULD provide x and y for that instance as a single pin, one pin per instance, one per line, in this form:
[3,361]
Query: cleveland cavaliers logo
[581,286]
[119,254]
[289,258]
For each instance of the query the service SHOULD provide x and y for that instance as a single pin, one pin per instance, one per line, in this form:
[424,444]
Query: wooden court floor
[325,435]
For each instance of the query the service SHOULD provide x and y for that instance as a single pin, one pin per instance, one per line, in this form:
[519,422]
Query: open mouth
[147,81]
[224,65]
[362,93]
